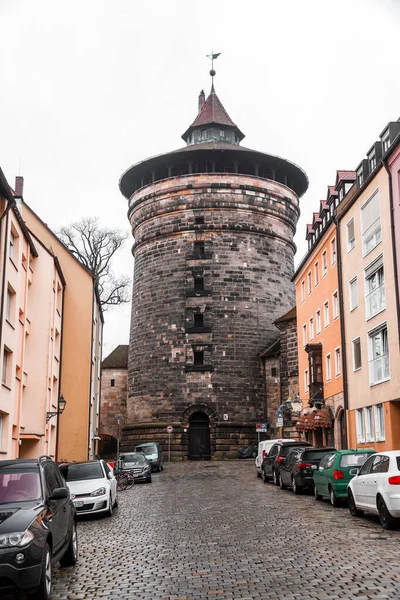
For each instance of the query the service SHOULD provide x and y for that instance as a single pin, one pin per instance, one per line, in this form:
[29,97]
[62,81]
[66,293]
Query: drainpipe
[394,253]
[91,371]
[60,370]
[342,332]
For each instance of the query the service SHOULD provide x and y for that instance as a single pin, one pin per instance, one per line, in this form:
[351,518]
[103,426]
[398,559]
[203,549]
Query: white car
[376,488]
[93,486]
[263,449]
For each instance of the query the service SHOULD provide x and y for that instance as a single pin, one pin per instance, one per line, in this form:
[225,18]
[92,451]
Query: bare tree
[95,246]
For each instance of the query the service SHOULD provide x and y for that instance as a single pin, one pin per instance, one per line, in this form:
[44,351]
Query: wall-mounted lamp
[61,407]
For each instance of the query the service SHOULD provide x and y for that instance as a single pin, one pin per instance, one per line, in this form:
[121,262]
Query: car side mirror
[354,471]
[59,494]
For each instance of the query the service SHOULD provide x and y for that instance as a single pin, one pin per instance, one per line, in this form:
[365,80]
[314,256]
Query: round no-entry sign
[170,429]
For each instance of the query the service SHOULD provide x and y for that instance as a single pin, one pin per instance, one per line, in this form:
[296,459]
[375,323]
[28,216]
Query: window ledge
[198,329]
[197,293]
[380,381]
[10,324]
[205,256]
[199,368]
[6,386]
[13,263]
[372,249]
[377,313]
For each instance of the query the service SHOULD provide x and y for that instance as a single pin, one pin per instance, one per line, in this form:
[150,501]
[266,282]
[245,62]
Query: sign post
[169,430]
[261,428]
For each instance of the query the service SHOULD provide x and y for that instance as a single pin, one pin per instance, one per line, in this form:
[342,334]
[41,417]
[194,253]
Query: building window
[309,283]
[324,264]
[304,334]
[303,291]
[199,220]
[351,238]
[328,367]
[379,369]
[379,423]
[360,176]
[333,251]
[318,321]
[316,274]
[375,298]
[306,382]
[274,371]
[326,313]
[357,364]
[199,249]
[372,161]
[198,358]
[371,224]
[386,141]
[6,372]
[353,293]
[360,426]
[112,382]
[198,283]
[311,327]
[369,426]
[1,431]
[198,320]
[335,308]
[337,362]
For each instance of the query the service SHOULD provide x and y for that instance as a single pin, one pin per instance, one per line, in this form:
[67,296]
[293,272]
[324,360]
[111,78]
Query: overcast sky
[90,87]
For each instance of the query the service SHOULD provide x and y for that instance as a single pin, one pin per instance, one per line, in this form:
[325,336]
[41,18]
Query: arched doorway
[199,436]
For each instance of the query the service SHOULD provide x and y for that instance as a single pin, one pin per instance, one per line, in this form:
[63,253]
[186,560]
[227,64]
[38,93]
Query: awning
[315,420]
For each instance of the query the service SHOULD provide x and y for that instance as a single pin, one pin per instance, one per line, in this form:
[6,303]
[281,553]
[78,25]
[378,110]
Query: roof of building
[273,350]
[211,112]
[118,359]
[331,191]
[289,316]
[345,176]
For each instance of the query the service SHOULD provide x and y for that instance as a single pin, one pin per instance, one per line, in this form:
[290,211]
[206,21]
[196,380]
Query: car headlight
[100,492]
[16,539]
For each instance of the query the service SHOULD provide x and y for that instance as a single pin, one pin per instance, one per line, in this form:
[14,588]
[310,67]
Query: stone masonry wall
[113,399]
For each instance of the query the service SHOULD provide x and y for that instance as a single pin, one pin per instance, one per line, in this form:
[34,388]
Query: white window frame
[379,416]
[309,282]
[377,295]
[316,274]
[318,322]
[328,367]
[374,230]
[338,364]
[379,360]
[326,314]
[1,431]
[351,283]
[304,329]
[369,424]
[351,242]
[335,305]
[306,382]
[311,328]
[333,251]
[324,263]
[303,290]
[353,344]
[360,426]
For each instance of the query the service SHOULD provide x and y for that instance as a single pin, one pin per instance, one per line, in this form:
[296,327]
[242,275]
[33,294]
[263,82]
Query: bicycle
[125,480]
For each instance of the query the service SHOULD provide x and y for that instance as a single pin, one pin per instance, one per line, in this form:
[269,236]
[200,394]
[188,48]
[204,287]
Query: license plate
[78,503]
[314,467]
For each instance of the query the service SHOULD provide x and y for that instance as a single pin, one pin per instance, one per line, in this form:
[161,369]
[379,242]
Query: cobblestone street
[213,530]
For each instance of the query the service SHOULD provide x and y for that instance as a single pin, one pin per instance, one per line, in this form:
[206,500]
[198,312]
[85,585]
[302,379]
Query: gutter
[91,372]
[394,253]
[61,356]
[342,330]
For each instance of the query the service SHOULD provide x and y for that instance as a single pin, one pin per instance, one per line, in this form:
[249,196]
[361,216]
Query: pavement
[213,530]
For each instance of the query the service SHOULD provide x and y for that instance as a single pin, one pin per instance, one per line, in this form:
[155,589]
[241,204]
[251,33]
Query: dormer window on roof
[360,176]
[386,140]
[372,161]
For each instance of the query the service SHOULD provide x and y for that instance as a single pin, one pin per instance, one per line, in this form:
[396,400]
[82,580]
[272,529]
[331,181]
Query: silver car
[138,464]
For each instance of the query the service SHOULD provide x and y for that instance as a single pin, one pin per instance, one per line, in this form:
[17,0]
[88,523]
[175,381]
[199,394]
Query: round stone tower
[213,225]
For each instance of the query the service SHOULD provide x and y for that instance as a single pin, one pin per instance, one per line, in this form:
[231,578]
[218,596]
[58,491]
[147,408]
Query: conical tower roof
[212,113]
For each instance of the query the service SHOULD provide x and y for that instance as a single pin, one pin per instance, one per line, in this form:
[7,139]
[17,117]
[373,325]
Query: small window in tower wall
[112,382]
[199,284]
[198,319]
[222,133]
[198,358]
[199,220]
[199,249]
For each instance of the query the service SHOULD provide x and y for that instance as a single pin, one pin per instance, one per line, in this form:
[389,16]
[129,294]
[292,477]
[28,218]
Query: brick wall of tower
[289,360]
[246,269]
[113,399]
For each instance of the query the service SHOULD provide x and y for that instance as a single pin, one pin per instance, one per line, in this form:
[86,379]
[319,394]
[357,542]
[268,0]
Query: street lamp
[61,407]
[118,418]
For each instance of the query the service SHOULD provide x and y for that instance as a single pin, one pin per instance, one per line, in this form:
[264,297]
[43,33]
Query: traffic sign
[169,429]
[262,427]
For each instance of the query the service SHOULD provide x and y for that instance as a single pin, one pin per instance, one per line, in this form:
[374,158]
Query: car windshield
[133,457]
[314,454]
[285,450]
[147,449]
[353,460]
[82,471]
[18,485]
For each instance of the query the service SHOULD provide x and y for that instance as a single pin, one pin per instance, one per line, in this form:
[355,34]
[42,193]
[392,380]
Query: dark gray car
[154,454]
[271,464]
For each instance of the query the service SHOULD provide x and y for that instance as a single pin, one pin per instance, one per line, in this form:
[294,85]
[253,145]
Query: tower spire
[212,57]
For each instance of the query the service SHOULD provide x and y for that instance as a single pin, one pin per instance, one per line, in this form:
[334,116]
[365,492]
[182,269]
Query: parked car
[297,469]
[154,454]
[248,451]
[137,463]
[263,449]
[93,485]
[335,471]
[376,488]
[37,525]
[272,462]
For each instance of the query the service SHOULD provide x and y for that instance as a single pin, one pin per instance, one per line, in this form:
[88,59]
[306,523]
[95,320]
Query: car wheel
[295,487]
[281,484]
[316,495]
[43,592]
[148,480]
[263,475]
[353,508]
[275,477]
[332,497]
[258,473]
[386,519]
[116,501]
[71,555]
[110,507]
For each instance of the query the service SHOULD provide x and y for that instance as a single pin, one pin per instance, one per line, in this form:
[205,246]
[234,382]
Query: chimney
[19,186]
[202,99]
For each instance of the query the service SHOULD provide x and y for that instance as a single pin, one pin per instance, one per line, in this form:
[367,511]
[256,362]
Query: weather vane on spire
[212,57]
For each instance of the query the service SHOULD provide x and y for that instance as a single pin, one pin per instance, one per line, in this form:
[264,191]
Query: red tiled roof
[345,176]
[118,359]
[331,191]
[289,316]
[323,205]
[316,218]
[212,111]
[310,228]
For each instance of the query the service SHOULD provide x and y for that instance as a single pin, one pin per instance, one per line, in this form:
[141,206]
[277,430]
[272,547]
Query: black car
[37,525]
[297,469]
[271,464]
